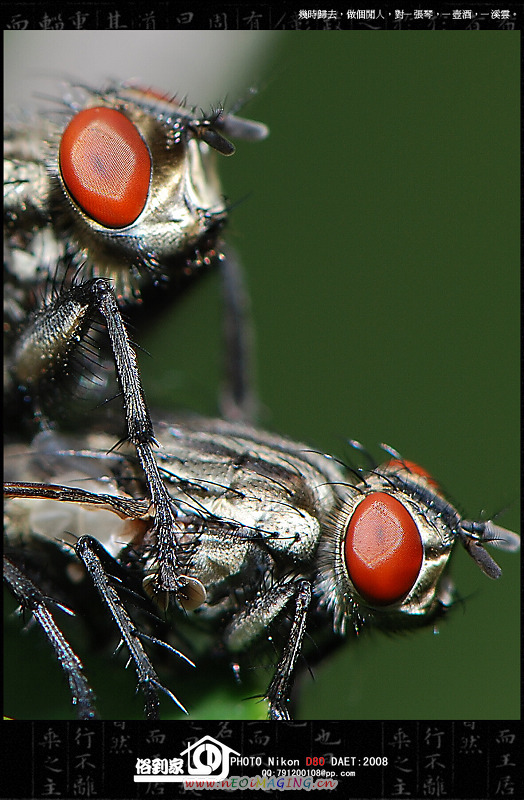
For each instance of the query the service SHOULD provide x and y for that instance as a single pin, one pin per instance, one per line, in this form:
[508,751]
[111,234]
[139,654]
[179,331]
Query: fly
[274,537]
[112,205]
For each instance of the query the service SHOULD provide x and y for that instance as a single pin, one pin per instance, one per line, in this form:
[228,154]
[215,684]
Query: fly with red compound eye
[279,543]
[112,205]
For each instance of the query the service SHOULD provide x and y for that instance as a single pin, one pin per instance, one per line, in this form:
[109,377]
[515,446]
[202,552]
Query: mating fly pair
[223,531]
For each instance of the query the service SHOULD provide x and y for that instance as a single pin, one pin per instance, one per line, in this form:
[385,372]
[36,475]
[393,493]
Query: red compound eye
[106,166]
[383,549]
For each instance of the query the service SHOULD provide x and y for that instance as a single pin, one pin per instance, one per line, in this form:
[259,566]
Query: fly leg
[141,435]
[93,556]
[238,396]
[256,617]
[31,598]
[127,508]
[280,687]
[43,352]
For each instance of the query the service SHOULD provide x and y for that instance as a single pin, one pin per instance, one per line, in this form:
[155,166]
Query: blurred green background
[379,231]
